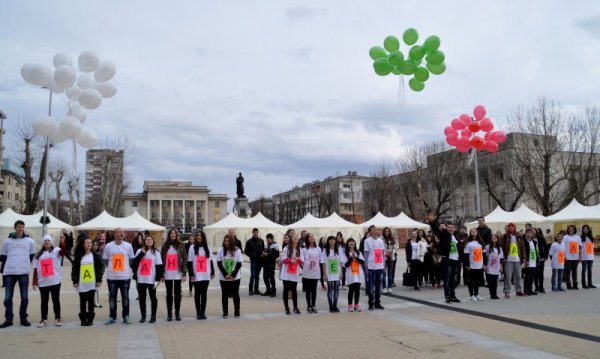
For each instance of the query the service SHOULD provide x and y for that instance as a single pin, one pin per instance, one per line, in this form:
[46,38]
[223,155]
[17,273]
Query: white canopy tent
[33,227]
[405,221]
[576,211]
[328,226]
[243,228]
[103,221]
[400,221]
[135,221]
[498,218]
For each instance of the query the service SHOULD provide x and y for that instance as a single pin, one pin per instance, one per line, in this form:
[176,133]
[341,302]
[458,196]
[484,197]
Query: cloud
[300,12]
[590,24]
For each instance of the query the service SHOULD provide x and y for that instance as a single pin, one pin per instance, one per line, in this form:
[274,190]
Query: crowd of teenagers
[435,258]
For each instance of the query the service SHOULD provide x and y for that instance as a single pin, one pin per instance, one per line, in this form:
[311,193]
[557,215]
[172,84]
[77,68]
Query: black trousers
[571,272]
[475,279]
[290,286]
[269,278]
[173,292]
[353,293]
[539,276]
[492,280]
[86,302]
[529,275]
[415,269]
[230,288]
[45,293]
[310,289]
[142,289]
[200,289]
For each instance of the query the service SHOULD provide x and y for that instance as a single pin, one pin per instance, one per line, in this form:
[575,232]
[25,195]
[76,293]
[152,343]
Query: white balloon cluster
[85,91]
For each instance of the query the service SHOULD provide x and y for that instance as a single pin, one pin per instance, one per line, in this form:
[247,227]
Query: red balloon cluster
[462,132]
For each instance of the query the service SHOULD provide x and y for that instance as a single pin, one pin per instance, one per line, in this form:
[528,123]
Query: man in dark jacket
[254,248]
[269,259]
[449,253]
[484,231]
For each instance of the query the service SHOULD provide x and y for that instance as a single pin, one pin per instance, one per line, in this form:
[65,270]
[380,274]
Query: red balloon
[466,119]
[486,125]
[464,142]
[491,146]
[450,131]
[498,137]
[478,143]
[457,124]
[479,112]
[487,135]
[474,126]
[452,140]
[466,133]
[462,149]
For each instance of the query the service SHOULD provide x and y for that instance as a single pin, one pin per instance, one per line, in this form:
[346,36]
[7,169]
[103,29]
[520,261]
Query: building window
[346,195]
[9,194]
[346,185]
[16,196]
[134,204]
[153,215]
[217,204]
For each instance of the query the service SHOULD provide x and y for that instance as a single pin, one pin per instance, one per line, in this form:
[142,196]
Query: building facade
[104,178]
[321,198]
[12,186]
[177,204]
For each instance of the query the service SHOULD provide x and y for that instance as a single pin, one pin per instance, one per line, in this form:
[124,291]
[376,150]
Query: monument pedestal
[241,207]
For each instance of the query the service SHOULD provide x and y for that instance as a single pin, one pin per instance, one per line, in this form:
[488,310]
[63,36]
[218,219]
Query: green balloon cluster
[390,60]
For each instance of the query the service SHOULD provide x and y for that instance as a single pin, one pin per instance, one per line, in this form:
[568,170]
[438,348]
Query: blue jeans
[9,283]
[113,287]
[374,288]
[333,291]
[255,267]
[449,268]
[557,277]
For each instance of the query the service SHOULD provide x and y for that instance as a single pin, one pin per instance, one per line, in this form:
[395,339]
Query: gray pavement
[405,328]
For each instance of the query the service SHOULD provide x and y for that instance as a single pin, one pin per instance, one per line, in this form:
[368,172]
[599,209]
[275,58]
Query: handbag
[408,280]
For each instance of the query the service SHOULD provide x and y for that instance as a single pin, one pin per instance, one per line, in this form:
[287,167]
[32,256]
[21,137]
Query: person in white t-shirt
[331,262]
[311,271]
[291,266]
[474,263]
[494,255]
[117,256]
[532,256]
[557,258]
[202,271]
[174,258]
[229,262]
[148,270]
[47,276]
[374,252]
[587,260]
[16,254]
[572,256]
[354,262]
[86,275]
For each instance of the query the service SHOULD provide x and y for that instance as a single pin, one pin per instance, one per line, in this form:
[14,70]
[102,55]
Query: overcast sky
[285,91]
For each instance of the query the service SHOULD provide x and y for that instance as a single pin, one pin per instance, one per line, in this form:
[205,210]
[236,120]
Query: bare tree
[378,190]
[56,172]
[500,175]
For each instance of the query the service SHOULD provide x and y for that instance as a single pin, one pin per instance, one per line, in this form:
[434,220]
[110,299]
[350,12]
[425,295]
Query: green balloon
[422,74]
[377,52]
[416,85]
[396,58]
[437,69]
[391,43]
[382,67]
[396,71]
[410,36]
[408,67]
[435,58]
[416,53]
[431,44]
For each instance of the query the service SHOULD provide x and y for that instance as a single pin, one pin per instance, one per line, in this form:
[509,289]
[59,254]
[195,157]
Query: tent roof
[335,221]
[55,223]
[229,221]
[102,221]
[260,221]
[575,211]
[9,217]
[404,221]
[136,221]
[308,221]
[498,215]
[524,214]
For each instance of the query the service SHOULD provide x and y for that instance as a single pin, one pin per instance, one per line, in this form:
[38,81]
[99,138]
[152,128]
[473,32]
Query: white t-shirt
[414,246]
[532,260]
[17,251]
[376,249]
[146,272]
[87,274]
[453,248]
[48,268]
[557,252]
[312,259]
[493,260]
[333,264]
[172,270]
[354,272]
[572,247]
[229,262]
[588,249]
[200,263]
[291,271]
[118,257]
[513,250]
[475,252]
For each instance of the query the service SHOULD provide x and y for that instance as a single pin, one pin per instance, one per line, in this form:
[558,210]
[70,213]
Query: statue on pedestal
[240,186]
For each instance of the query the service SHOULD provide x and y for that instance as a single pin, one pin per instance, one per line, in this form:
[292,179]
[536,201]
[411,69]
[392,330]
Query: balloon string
[400,95]
[74,164]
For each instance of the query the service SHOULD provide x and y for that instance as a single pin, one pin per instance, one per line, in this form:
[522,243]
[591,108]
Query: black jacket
[254,247]
[444,236]
[98,268]
[272,251]
[485,233]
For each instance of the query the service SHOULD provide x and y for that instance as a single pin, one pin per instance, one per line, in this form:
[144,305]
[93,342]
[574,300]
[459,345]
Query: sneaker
[448,300]
[357,308]
[389,290]
[379,306]
[478,297]
[59,322]
[6,324]
[520,294]
[126,320]
[454,300]
[350,308]
[591,286]
[42,324]
[110,321]
[507,295]
[296,311]
[370,308]
[474,298]
[25,323]
[562,290]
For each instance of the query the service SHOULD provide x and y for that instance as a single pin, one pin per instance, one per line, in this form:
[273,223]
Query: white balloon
[106,89]
[85,81]
[43,126]
[70,127]
[74,92]
[78,113]
[62,59]
[65,76]
[90,99]
[39,75]
[57,136]
[52,86]
[25,71]
[88,61]
[105,71]
[87,138]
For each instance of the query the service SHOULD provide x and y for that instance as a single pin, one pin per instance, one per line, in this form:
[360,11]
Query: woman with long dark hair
[474,263]
[390,261]
[573,247]
[202,270]
[291,260]
[148,270]
[86,275]
[494,255]
[331,260]
[174,258]
[354,272]
[339,238]
[47,276]
[229,261]
[311,272]
[587,260]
